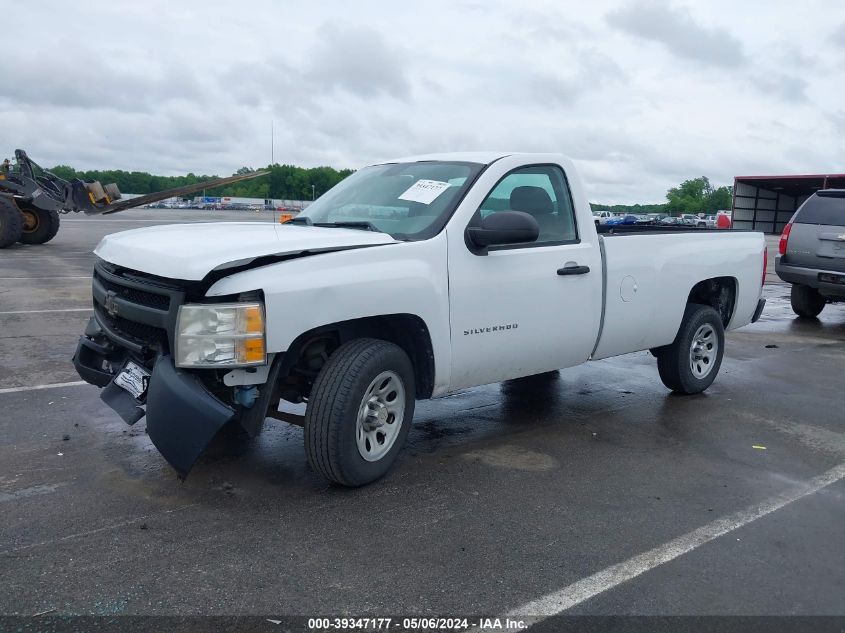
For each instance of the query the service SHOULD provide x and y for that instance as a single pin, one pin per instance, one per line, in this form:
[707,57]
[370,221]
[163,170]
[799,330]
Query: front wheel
[359,411]
[806,301]
[690,364]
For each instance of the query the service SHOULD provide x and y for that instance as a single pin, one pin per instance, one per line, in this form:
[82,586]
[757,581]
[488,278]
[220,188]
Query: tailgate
[831,247]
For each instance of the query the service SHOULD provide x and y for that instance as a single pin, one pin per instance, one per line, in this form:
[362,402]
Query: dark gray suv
[812,252]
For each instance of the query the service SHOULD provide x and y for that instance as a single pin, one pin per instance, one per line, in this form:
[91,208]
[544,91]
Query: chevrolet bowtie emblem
[110,304]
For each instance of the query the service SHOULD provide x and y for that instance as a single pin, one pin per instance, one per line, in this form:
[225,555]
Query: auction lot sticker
[425,191]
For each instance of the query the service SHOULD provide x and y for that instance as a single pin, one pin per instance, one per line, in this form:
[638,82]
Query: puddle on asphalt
[513,457]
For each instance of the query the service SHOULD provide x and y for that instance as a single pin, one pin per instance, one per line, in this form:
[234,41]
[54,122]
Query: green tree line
[696,195]
[289,182]
[286,182]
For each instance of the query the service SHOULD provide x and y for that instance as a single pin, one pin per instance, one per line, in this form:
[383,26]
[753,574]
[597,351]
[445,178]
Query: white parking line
[42,311]
[76,383]
[559,601]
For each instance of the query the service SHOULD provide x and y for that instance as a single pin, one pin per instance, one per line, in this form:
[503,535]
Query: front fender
[306,293]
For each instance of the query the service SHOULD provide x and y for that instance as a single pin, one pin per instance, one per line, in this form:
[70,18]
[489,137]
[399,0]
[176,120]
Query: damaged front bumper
[182,414]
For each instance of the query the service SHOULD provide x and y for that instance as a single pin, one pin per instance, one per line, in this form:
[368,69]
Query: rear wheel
[690,364]
[806,301]
[39,226]
[11,222]
[359,411]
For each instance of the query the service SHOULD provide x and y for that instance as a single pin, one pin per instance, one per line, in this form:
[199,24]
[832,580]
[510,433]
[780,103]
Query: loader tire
[39,226]
[11,223]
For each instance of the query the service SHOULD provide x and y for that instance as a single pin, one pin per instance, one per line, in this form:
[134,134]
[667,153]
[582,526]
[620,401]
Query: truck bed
[623,229]
[649,276]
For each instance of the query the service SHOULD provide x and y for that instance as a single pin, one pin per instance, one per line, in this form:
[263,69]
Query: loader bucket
[96,193]
[115,206]
[112,192]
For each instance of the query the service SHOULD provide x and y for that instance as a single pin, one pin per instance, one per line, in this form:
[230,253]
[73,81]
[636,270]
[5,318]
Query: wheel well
[719,293]
[309,351]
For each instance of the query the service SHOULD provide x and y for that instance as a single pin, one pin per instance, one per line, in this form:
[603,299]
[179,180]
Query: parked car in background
[625,219]
[811,253]
[690,219]
[705,221]
[671,220]
[652,218]
[601,217]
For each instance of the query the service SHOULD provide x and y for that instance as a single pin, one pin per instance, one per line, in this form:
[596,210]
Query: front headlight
[220,335]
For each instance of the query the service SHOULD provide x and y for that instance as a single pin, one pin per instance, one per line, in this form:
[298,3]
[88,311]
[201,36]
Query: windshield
[407,200]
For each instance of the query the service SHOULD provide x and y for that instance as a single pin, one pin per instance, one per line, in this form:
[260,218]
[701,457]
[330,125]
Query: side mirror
[504,227]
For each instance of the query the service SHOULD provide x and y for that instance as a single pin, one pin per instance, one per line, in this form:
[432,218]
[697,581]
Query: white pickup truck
[408,280]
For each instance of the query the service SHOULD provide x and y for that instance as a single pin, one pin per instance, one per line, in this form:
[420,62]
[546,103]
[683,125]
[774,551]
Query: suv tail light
[765,264]
[784,238]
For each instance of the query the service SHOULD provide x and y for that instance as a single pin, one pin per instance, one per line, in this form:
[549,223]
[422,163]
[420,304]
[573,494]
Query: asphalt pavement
[505,495]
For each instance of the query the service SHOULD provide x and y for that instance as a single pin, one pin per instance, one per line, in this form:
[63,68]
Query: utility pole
[312,193]
[272,142]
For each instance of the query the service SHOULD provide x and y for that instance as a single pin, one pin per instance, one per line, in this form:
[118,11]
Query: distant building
[766,203]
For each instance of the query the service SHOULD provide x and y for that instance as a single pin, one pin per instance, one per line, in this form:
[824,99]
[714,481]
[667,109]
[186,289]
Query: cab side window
[542,191]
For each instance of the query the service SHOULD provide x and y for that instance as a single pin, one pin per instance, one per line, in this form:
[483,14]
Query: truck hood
[191,251]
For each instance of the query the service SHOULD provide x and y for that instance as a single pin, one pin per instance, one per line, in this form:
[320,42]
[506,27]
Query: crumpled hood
[191,251]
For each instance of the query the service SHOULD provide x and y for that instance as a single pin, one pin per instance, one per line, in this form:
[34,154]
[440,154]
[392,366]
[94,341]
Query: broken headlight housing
[220,335]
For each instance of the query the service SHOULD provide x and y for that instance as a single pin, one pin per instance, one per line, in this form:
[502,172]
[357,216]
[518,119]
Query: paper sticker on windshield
[424,191]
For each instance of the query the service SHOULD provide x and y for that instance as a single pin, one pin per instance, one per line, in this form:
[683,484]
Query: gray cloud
[350,60]
[678,31]
[591,71]
[782,86]
[838,35]
[358,60]
[191,86]
[89,80]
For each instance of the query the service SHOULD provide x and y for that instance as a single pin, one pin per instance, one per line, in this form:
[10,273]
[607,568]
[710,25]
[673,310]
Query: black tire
[40,226]
[806,301]
[11,222]
[674,362]
[331,418]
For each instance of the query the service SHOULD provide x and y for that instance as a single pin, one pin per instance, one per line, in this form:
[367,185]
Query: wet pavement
[503,494]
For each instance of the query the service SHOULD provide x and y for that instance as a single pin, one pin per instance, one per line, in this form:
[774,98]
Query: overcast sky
[642,94]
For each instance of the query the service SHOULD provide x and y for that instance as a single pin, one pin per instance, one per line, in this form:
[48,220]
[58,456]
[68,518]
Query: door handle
[573,270]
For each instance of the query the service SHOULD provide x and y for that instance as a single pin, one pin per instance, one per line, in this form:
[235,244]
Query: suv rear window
[823,209]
